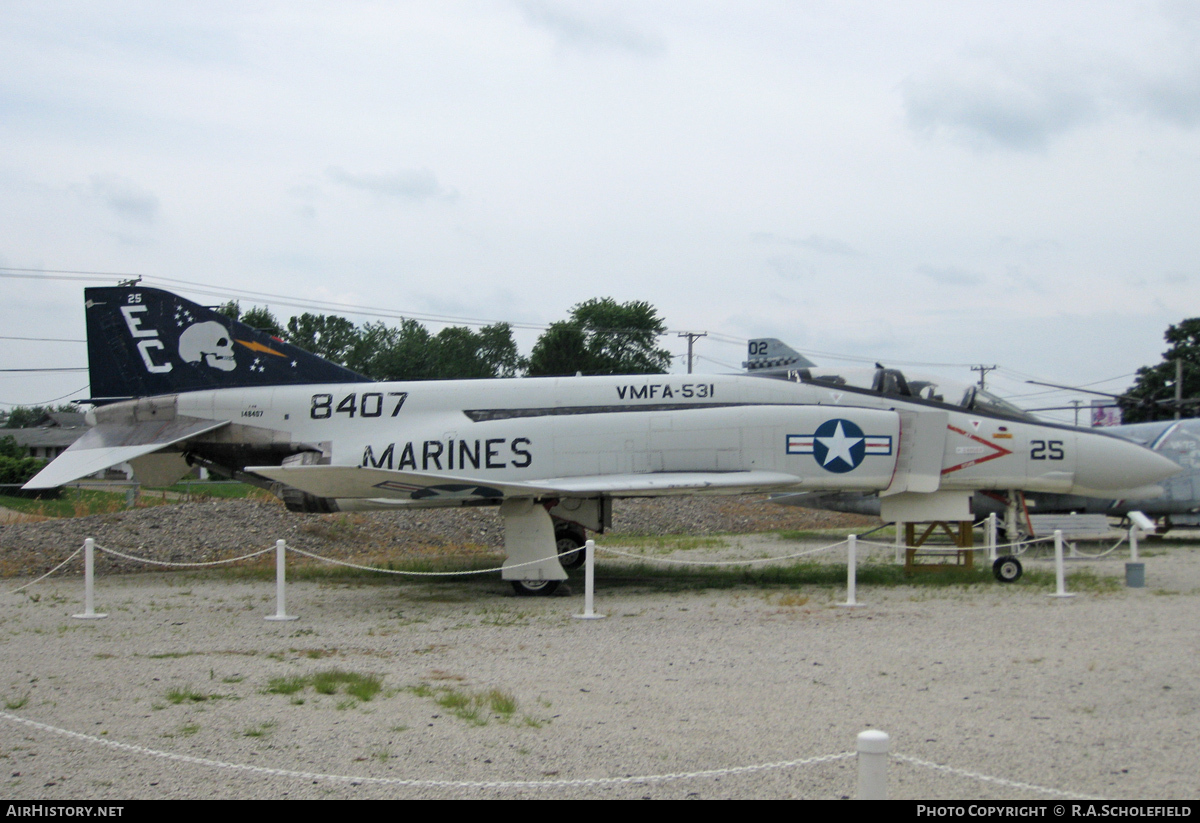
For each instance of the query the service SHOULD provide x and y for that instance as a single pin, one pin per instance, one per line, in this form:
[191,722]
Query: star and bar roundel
[839,445]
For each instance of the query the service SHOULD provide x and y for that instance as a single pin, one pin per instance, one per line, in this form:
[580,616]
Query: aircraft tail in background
[144,341]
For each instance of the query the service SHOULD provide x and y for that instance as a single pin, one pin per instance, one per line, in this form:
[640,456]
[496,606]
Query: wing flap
[354,482]
[106,445]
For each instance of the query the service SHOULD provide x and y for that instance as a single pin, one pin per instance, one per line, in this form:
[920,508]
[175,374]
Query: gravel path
[1096,695]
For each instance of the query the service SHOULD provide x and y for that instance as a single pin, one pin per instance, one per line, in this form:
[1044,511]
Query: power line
[42,339]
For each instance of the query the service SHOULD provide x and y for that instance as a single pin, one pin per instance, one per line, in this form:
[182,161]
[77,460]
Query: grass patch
[196,490]
[882,536]
[474,707]
[70,502]
[14,703]
[664,544]
[362,687]
[826,575]
[261,730]
[189,695]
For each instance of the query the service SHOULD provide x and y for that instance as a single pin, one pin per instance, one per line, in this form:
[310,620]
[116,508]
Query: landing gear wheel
[570,547]
[1007,569]
[535,588]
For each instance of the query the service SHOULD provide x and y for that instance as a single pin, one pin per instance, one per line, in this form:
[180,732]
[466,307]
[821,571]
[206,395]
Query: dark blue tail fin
[144,341]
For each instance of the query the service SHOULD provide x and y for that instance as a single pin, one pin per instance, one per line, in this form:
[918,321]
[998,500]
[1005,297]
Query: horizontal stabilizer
[343,482]
[107,445]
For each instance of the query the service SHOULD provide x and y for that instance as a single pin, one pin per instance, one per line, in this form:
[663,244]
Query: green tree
[393,353]
[16,466]
[325,335]
[257,317]
[603,336]
[462,353]
[232,310]
[22,417]
[1152,396]
[561,350]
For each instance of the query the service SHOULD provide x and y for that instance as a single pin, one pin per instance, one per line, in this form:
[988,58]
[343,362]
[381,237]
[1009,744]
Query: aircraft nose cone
[1111,464]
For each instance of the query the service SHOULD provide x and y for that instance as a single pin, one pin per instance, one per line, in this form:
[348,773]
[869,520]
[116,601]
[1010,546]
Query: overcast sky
[1012,183]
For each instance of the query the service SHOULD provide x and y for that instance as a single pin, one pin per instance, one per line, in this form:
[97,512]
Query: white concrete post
[900,543]
[280,584]
[589,583]
[991,537]
[1060,576]
[89,579]
[1133,540]
[873,748]
[851,570]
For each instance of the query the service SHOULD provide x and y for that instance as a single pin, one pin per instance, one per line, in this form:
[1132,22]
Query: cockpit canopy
[894,383]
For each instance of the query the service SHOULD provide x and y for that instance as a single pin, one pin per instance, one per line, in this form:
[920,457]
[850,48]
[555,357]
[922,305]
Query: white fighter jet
[176,384]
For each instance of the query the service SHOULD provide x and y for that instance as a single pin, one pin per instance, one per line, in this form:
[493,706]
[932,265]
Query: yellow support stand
[962,538]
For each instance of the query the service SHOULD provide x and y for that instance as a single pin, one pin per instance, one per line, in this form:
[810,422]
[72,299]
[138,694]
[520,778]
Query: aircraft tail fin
[144,341]
[768,354]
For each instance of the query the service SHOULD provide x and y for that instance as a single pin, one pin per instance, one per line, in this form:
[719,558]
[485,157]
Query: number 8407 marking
[369,405]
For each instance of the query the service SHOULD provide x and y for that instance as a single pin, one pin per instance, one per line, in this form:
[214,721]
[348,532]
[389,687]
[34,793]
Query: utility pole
[1076,404]
[692,336]
[983,370]
[1178,387]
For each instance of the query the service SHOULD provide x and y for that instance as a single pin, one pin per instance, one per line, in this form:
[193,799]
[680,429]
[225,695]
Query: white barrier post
[589,583]
[89,578]
[991,537]
[1135,570]
[851,569]
[280,593]
[899,548]
[873,748]
[1060,577]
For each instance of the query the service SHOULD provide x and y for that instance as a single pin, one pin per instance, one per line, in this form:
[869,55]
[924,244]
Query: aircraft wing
[107,445]
[354,482]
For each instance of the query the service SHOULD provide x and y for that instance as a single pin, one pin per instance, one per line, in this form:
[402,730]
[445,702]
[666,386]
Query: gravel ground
[201,532]
[1096,695]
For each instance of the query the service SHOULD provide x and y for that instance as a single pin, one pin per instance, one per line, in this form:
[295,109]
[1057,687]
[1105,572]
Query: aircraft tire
[570,547]
[535,588]
[1007,569]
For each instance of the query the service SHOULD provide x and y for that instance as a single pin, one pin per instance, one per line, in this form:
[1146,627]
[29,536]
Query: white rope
[1012,784]
[1105,553]
[721,562]
[74,554]
[116,553]
[399,781]
[413,574]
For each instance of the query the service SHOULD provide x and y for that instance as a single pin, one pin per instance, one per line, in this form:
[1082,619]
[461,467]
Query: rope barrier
[148,560]
[74,554]
[1012,784]
[400,781]
[721,562]
[411,574]
[530,784]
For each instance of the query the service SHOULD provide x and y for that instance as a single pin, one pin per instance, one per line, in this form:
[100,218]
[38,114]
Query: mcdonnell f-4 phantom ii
[175,385]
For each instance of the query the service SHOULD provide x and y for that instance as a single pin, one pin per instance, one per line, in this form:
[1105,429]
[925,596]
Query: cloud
[581,27]
[126,199]
[951,275]
[790,269]
[814,242]
[1022,98]
[420,185]
[996,107]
